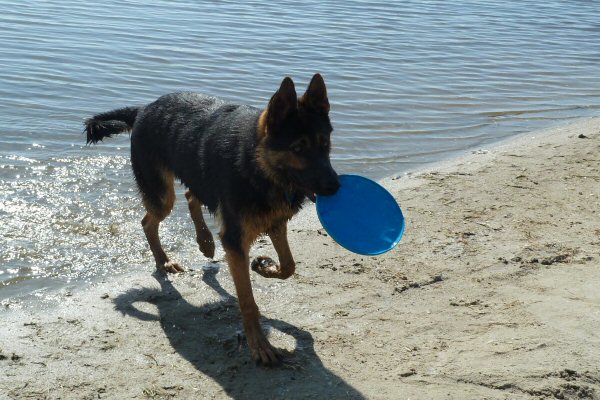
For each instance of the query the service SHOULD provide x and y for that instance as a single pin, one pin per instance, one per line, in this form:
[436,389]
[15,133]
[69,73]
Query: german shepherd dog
[251,168]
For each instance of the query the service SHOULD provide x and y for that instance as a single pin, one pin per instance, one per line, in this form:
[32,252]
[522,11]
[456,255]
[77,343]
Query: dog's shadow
[210,338]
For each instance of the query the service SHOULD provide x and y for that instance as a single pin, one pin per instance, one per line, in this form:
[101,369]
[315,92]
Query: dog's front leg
[260,348]
[268,268]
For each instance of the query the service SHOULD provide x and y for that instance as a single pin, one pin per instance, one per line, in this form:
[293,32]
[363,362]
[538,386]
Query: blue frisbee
[361,216]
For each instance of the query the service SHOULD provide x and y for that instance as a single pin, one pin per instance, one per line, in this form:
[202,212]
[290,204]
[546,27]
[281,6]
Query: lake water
[409,83]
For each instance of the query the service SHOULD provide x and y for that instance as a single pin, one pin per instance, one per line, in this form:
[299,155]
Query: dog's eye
[297,148]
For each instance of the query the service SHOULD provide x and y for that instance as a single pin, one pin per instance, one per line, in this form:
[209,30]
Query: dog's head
[294,139]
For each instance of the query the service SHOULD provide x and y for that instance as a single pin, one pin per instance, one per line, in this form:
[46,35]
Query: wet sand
[492,294]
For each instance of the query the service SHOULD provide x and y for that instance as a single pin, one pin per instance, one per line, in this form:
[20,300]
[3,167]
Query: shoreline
[490,294]
[48,296]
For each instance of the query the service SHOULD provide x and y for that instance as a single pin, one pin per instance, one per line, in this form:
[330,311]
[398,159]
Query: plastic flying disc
[361,216]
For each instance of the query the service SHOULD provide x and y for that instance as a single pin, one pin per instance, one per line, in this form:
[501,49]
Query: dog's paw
[263,353]
[265,266]
[207,247]
[171,267]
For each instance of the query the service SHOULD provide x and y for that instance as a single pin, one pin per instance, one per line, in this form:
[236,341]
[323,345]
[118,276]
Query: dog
[252,168]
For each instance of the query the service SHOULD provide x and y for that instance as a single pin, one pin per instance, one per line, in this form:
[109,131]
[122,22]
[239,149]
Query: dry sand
[493,293]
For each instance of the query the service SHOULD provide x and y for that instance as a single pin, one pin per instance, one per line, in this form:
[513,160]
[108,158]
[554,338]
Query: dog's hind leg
[150,223]
[203,236]
[158,198]
[268,268]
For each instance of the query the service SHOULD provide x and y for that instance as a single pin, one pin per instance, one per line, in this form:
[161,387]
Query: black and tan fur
[253,168]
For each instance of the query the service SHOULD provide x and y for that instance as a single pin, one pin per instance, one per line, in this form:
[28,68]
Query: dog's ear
[283,103]
[315,98]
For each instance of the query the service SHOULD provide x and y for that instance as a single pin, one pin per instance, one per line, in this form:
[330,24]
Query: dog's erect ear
[283,103]
[315,97]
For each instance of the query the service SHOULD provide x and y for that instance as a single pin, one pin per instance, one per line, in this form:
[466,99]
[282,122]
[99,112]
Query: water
[409,84]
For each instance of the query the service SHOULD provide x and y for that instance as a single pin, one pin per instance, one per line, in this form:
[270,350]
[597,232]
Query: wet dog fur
[252,168]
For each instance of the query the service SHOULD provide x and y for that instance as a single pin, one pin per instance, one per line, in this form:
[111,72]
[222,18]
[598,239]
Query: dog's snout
[334,185]
[330,186]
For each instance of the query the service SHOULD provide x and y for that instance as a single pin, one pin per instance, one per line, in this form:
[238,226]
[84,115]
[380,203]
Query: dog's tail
[109,123]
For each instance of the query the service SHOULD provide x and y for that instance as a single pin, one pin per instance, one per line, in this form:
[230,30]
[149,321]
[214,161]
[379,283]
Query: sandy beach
[492,294]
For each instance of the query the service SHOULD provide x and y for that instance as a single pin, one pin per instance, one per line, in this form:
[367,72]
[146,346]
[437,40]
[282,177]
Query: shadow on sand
[208,337]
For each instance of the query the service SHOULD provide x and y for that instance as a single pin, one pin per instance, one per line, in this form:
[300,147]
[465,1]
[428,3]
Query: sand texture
[493,293]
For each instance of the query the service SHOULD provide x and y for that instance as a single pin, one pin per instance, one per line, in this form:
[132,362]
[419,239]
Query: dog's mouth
[311,195]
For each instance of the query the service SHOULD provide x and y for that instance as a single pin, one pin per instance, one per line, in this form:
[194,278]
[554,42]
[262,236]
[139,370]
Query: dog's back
[201,139]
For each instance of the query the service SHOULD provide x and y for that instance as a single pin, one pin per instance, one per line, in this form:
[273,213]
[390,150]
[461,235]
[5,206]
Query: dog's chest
[260,221]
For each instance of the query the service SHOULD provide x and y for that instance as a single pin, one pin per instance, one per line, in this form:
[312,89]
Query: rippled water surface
[409,83]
